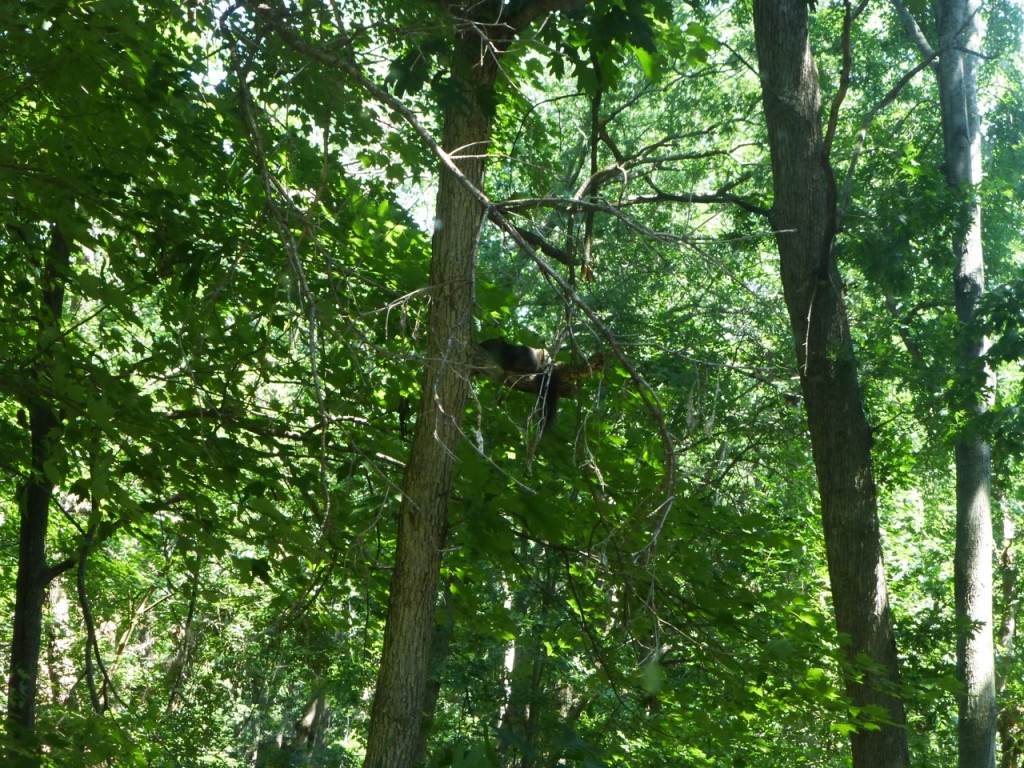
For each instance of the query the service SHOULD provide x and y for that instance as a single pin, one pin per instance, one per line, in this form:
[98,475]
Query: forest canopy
[511,383]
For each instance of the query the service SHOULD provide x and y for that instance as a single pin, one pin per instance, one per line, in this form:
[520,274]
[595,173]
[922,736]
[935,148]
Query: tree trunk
[399,716]
[959,40]
[34,495]
[523,746]
[399,703]
[803,217]
[1010,719]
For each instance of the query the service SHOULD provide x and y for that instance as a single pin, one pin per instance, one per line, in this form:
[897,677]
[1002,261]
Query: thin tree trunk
[400,708]
[803,217]
[1010,718]
[959,40]
[532,597]
[395,738]
[34,496]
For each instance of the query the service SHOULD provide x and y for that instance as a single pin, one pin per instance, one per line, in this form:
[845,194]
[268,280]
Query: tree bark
[803,216]
[959,41]
[34,494]
[397,719]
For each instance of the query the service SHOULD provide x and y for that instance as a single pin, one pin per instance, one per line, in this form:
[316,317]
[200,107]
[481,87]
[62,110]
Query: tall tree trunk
[803,217]
[397,718]
[959,40]
[34,495]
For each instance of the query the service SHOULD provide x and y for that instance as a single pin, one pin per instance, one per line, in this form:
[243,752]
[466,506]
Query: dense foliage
[216,243]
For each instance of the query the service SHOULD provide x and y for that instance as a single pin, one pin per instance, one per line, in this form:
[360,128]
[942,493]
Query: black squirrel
[530,369]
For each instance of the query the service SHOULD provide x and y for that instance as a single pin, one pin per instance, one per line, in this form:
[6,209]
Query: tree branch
[886,100]
[915,32]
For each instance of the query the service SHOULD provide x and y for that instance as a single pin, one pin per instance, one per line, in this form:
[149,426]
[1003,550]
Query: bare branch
[886,100]
[844,85]
[698,197]
[914,30]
